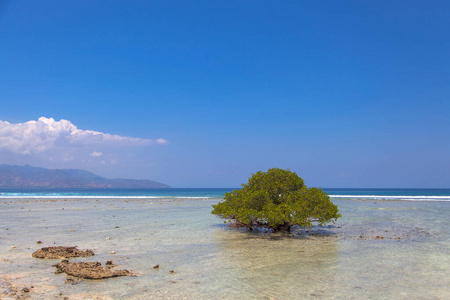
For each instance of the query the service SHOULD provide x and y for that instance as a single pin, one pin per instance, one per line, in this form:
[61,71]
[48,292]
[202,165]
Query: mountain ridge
[13,176]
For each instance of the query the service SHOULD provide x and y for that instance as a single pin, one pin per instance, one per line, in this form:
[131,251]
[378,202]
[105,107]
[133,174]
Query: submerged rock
[60,252]
[90,270]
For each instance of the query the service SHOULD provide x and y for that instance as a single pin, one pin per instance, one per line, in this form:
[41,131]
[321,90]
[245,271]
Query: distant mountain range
[31,177]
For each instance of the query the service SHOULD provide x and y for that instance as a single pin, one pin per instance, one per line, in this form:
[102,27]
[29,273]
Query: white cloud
[45,134]
[96,154]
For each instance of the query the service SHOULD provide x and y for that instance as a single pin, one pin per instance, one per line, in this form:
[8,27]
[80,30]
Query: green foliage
[277,199]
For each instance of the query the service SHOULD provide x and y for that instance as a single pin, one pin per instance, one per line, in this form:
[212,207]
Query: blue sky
[345,93]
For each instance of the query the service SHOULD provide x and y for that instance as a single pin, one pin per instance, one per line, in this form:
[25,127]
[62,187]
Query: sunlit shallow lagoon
[377,250]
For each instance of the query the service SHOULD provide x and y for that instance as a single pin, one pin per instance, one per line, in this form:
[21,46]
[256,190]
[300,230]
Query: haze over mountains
[12,176]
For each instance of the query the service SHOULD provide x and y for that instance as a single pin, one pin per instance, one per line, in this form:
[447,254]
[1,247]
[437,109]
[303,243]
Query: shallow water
[377,250]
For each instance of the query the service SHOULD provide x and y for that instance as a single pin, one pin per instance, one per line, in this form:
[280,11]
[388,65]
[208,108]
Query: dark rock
[60,252]
[89,270]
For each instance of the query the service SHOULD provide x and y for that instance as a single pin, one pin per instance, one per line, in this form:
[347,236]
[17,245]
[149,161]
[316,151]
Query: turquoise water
[121,193]
[379,249]
[392,194]
[385,194]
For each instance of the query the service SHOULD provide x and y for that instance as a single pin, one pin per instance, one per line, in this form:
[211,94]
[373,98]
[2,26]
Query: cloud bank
[60,144]
[45,134]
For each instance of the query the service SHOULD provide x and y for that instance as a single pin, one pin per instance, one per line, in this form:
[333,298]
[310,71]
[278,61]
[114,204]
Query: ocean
[389,244]
[211,193]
